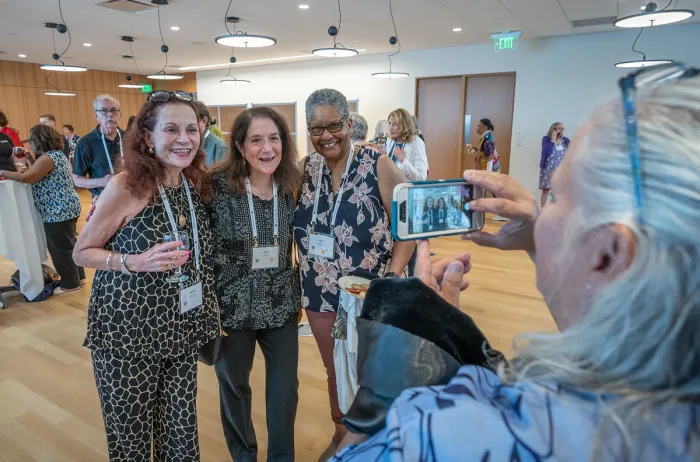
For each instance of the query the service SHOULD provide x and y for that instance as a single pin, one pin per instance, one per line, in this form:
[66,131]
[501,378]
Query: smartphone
[426,209]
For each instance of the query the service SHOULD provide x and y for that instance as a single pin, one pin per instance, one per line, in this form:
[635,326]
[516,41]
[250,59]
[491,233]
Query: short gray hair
[359,128]
[107,97]
[327,97]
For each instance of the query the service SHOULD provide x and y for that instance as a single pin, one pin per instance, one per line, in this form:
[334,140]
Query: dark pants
[149,407]
[60,239]
[281,350]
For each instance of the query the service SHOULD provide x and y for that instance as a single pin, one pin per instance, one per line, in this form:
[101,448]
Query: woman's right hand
[159,258]
[511,201]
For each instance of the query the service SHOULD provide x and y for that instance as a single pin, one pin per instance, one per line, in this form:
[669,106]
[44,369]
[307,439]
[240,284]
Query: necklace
[261,195]
[181,218]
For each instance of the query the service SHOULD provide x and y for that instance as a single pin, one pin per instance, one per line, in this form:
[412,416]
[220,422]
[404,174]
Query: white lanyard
[253,223]
[171,217]
[339,193]
[121,149]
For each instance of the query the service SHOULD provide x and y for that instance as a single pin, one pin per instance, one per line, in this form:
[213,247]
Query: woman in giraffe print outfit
[143,337]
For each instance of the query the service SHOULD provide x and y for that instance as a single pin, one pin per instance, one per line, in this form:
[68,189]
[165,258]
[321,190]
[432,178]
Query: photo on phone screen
[442,208]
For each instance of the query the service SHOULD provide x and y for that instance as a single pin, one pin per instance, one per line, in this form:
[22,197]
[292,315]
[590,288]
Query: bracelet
[125,270]
[109,259]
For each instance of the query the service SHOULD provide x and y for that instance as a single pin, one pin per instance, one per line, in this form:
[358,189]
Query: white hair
[381,128]
[359,129]
[327,97]
[640,336]
[105,97]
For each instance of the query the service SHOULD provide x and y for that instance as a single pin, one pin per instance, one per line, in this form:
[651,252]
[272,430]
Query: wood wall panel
[22,87]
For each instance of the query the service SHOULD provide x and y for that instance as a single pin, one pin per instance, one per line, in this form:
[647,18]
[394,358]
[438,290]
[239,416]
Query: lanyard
[121,149]
[253,223]
[339,193]
[193,217]
[392,156]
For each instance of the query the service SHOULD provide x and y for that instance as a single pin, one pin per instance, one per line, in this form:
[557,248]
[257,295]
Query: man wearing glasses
[97,154]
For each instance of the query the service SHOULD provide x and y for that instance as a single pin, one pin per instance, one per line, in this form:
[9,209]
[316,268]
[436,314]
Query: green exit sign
[506,40]
[146,88]
[505,43]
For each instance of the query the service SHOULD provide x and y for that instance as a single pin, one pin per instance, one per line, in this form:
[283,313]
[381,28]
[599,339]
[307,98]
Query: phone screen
[440,208]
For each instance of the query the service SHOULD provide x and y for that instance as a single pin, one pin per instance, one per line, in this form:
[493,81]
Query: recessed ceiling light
[174,28]
[22,55]
[87,44]
[303,7]
[457,29]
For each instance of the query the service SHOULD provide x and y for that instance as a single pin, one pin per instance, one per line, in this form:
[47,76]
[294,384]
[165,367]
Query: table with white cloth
[22,238]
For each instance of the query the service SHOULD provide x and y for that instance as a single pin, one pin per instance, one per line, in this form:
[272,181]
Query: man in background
[97,154]
[214,147]
[50,120]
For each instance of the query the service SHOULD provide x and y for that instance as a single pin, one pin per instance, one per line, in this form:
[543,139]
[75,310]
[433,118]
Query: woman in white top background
[405,148]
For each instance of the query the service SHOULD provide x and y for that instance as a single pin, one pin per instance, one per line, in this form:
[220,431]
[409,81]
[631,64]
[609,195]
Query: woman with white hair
[358,131]
[617,252]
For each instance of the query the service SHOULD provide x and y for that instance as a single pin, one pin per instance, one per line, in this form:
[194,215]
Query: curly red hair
[144,171]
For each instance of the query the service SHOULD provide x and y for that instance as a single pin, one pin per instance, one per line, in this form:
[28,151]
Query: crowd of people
[199,242]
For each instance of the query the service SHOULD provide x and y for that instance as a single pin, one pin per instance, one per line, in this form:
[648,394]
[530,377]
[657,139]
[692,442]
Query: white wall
[558,79]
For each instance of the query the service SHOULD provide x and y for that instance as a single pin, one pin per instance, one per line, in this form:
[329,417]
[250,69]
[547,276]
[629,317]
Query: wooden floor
[49,409]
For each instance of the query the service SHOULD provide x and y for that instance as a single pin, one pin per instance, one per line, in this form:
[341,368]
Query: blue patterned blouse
[54,195]
[475,417]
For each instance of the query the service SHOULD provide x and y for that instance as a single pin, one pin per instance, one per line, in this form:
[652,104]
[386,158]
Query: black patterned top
[252,299]
[139,314]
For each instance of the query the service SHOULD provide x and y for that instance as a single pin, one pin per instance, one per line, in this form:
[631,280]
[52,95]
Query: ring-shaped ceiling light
[243,40]
[651,17]
[62,68]
[335,52]
[642,63]
[235,82]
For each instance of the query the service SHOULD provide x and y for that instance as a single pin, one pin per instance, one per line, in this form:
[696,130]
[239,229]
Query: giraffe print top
[139,314]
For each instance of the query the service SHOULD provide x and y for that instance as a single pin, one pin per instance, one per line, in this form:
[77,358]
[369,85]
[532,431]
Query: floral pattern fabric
[476,417]
[362,232]
[54,195]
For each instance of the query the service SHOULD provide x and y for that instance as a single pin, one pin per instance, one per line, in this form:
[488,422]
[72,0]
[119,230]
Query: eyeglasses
[333,127]
[667,73]
[104,112]
[258,141]
[162,96]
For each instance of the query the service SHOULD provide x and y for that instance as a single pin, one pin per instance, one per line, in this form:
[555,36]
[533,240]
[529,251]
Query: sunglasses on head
[162,96]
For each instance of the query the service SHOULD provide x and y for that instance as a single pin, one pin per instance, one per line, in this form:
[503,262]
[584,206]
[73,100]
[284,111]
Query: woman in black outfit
[256,282]
[144,330]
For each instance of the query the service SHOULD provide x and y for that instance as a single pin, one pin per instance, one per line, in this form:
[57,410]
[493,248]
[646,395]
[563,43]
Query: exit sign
[146,88]
[506,40]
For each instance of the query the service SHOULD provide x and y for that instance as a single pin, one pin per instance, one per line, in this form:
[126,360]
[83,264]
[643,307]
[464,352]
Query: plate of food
[355,286]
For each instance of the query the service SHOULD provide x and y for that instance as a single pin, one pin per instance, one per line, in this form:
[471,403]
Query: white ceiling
[366,25]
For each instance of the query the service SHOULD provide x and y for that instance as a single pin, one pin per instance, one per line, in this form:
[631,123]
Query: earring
[151,151]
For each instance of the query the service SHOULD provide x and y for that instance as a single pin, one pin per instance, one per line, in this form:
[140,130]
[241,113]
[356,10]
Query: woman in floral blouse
[349,235]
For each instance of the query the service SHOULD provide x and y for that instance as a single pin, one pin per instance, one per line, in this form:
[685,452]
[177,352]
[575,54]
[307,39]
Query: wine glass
[185,239]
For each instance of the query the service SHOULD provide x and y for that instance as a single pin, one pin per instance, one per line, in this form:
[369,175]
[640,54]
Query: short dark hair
[48,116]
[487,123]
[43,138]
[3,120]
[202,110]
[234,167]
[69,127]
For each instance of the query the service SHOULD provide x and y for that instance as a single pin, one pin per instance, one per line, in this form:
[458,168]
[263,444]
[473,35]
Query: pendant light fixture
[392,41]
[652,16]
[644,62]
[242,39]
[59,65]
[338,50]
[59,93]
[129,77]
[229,79]
[161,74]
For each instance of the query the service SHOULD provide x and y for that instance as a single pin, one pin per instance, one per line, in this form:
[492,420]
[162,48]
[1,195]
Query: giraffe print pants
[148,400]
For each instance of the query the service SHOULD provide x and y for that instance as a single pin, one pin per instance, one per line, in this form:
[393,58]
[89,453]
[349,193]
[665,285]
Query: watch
[122,259]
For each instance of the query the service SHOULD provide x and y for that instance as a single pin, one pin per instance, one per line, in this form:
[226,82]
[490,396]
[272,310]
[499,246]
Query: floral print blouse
[362,231]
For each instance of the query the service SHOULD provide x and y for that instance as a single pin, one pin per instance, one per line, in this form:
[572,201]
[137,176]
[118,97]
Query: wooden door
[440,109]
[490,97]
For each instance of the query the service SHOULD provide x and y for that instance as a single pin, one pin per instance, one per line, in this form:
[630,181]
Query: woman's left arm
[389,175]
[33,174]
[415,165]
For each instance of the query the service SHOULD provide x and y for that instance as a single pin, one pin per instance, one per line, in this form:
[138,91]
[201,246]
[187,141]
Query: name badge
[321,245]
[266,257]
[190,298]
